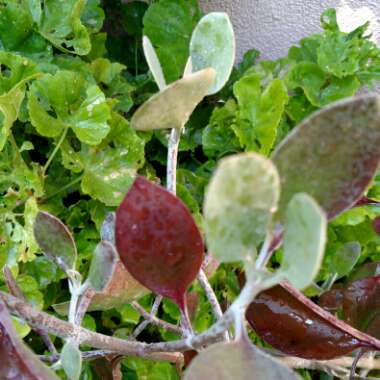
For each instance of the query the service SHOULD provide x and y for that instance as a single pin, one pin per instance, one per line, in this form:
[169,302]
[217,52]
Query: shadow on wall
[272,26]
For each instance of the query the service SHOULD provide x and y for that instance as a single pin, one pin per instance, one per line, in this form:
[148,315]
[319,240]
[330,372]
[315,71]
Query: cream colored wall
[272,26]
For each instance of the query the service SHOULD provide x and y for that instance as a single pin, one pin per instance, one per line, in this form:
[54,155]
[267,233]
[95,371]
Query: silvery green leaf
[102,266]
[213,45]
[153,63]
[304,240]
[239,203]
[71,359]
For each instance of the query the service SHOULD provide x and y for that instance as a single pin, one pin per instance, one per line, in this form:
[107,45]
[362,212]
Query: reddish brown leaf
[293,324]
[17,360]
[158,240]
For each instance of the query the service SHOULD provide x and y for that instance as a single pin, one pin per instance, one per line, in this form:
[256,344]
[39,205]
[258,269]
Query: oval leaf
[294,325]
[71,359]
[238,360]
[239,203]
[153,63]
[17,360]
[213,45]
[344,260]
[172,107]
[102,266]
[333,155]
[55,240]
[304,240]
[158,240]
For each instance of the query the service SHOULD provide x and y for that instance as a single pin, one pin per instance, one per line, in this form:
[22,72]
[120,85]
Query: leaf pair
[212,54]
[240,202]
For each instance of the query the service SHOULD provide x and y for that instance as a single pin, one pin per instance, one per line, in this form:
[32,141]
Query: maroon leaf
[293,324]
[158,240]
[361,305]
[17,360]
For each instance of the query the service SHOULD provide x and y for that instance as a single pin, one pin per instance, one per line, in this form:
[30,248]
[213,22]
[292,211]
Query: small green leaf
[239,360]
[55,240]
[102,266]
[172,107]
[213,45]
[71,359]
[153,63]
[304,240]
[344,260]
[239,203]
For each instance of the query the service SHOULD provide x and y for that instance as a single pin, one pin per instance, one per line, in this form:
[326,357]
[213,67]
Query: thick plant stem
[16,291]
[83,304]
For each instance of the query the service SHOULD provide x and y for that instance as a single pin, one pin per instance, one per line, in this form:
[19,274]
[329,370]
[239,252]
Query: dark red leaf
[361,305]
[17,361]
[158,240]
[293,324]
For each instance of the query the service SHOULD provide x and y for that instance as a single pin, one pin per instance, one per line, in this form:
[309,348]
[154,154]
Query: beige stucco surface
[272,26]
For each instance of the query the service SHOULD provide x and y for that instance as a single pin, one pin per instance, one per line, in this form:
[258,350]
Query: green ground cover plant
[156,200]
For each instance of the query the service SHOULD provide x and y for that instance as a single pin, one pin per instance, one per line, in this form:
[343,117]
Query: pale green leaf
[172,107]
[213,45]
[240,200]
[153,63]
[344,260]
[239,361]
[102,266]
[304,240]
[71,359]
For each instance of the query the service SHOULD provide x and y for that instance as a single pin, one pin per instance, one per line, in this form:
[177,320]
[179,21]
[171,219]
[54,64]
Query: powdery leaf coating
[17,360]
[344,260]
[213,45]
[102,266]
[292,324]
[240,199]
[153,63]
[238,360]
[158,240]
[332,155]
[172,107]
[55,240]
[71,359]
[304,240]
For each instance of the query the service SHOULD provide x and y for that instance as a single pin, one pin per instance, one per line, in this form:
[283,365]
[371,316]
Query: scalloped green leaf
[332,156]
[304,240]
[61,24]
[240,200]
[213,45]
[238,360]
[55,240]
[66,100]
[172,107]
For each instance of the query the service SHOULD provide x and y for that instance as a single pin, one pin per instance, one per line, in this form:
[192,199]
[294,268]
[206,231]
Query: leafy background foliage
[72,74]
